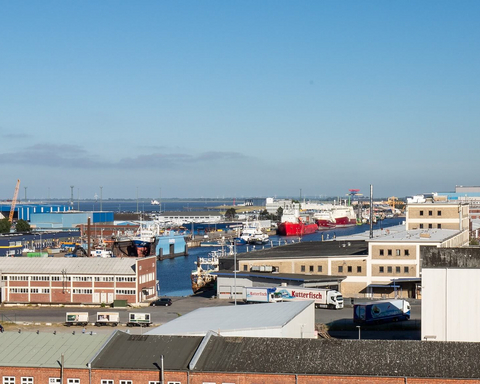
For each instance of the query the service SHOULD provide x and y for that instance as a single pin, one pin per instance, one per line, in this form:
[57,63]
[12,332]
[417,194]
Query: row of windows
[430,226]
[57,380]
[125,291]
[398,252]
[32,290]
[349,269]
[430,213]
[147,277]
[311,268]
[70,278]
[83,291]
[389,269]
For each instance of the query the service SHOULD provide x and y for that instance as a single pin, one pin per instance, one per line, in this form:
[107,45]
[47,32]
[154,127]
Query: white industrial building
[283,320]
[451,294]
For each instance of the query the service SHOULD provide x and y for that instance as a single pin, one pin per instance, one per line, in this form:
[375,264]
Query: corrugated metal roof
[218,319]
[45,349]
[405,358]
[53,265]
[127,351]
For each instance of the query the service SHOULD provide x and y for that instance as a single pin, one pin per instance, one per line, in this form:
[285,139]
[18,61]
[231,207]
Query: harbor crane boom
[14,201]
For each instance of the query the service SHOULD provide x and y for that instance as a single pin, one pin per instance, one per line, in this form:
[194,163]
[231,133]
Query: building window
[83,291]
[27,380]
[125,291]
[439,226]
[439,213]
[381,252]
[302,268]
[153,382]
[381,269]
[397,269]
[340,269]
[359,269]
[55,380]
[245,267]
[421,213]
[125,381]
[421,226]
[430,225]
[389,269]
[319,268]
[311,268]
[106,381]
[349,269]
[8,379]
[73,381]
[389,252]
[397,252]
[174,382]
[125,279]
[430,213]
[405,269]
[406,252]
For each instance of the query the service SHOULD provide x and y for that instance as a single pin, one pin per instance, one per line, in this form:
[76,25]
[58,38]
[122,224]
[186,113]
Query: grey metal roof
[283,276]
[126,351]
[418,236]
[240,317]
[82,265]
[310,249]
[341,357]
[29,349]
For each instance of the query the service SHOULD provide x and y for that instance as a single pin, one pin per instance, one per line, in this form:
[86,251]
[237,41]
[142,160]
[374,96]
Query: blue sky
[238,98]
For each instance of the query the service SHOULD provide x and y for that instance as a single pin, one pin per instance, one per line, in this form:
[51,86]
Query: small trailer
[140,319]
[107,318]
[76,318]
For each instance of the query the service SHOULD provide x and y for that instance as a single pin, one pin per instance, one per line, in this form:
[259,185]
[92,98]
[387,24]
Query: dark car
[1,328]
[163,301]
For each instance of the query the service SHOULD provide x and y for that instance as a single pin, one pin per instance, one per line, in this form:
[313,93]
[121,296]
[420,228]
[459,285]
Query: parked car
[163,301]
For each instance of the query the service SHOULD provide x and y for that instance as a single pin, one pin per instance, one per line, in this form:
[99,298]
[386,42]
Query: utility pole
[71,195]
[101,190]
[371,211]
[25,193]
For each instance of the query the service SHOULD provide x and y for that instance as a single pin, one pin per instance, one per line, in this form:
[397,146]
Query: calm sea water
[145,206]
[174,274]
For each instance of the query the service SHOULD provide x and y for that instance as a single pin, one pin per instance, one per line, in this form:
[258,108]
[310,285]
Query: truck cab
[335,299]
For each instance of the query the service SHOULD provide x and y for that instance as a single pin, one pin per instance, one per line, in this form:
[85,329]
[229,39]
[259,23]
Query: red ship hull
[340,222]
[296,229]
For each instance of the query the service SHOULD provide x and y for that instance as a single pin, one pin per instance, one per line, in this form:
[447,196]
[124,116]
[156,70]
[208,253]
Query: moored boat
[203,278]
[337,216]
[292,224]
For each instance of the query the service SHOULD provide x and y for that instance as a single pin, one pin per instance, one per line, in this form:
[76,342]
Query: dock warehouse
[13,244]
[48,280]
[285,320]
[227,282]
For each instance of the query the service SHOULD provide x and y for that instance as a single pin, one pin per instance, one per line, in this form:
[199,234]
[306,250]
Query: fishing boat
[252,234]
[202,277]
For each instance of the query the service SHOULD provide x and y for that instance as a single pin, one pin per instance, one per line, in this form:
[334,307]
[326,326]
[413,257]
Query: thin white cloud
[75,156]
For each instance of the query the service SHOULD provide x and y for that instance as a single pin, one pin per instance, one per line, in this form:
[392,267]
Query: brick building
[138,359]
[49,280]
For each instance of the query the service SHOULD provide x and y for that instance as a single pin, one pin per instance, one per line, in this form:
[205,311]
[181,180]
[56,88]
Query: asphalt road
[339,322]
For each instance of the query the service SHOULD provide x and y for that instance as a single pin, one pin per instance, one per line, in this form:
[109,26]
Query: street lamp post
[235,270]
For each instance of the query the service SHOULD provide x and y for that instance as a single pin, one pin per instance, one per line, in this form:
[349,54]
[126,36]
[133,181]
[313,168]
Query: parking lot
[338,322]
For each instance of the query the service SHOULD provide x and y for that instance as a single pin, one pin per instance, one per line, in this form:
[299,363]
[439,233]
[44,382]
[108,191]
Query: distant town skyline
[238,98]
